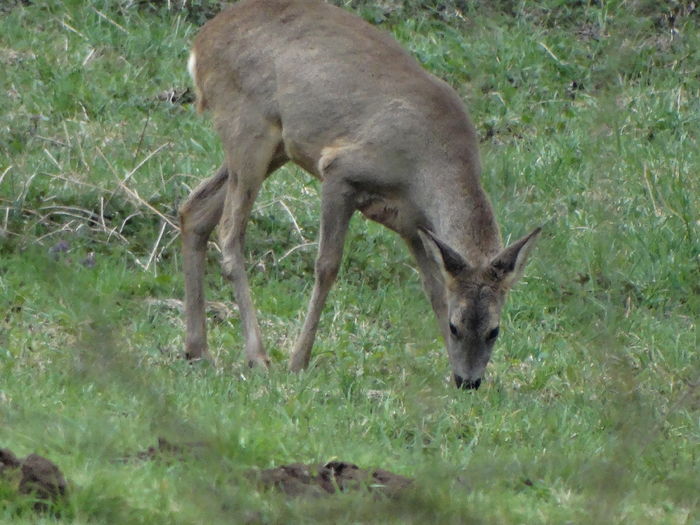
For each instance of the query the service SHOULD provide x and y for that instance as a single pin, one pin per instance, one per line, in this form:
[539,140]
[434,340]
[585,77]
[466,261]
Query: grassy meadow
[588,114]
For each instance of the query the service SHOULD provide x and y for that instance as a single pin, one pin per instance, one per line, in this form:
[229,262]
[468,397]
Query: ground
[588,115]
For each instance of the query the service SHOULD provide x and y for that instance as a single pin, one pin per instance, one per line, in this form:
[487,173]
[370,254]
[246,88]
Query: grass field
[588,114]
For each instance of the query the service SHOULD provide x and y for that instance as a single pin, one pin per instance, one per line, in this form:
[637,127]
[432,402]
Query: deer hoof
[259,361]
[195,355]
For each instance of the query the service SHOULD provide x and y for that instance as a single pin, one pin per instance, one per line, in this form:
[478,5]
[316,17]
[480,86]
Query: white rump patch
[191,66]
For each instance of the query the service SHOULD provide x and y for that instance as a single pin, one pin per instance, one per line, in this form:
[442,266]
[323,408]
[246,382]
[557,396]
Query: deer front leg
[337,208]
[199,215]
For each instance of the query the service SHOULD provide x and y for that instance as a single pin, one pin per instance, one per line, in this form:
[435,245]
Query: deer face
[473,315]
[474,298]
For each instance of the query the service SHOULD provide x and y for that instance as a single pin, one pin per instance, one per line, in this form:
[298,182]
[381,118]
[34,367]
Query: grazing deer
[307,82]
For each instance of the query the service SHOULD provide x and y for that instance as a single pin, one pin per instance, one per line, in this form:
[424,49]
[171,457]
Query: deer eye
[453,330]
[493,334]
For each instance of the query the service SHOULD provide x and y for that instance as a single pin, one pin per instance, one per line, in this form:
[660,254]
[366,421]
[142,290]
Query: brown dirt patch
[296,479]
[299,479]
[37,476]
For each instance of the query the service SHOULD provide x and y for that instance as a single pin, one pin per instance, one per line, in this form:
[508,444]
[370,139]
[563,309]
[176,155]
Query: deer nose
[467,385]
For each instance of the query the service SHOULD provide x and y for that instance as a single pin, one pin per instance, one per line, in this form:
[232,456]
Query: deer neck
[463,217]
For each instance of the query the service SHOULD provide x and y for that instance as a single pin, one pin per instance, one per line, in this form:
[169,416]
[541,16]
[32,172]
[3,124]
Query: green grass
[588,114]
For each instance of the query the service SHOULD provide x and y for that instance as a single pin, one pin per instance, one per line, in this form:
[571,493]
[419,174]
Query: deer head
[474,296]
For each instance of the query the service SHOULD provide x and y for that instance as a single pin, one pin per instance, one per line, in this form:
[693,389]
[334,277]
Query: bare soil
[41,478]
[37,475]
[298,479]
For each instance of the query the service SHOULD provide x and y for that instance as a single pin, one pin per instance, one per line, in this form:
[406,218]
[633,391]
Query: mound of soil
[37,475]
[296,479]
[8,460]
[299,479]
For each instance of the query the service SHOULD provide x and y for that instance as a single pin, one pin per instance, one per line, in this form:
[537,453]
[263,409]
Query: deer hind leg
[250,159]
[199,215]
[337,207]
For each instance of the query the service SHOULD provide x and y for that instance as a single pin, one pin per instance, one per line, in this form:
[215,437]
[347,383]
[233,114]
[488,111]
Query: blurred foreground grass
[588,115]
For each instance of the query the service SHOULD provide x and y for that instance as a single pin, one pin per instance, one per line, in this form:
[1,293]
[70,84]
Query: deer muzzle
[467,384]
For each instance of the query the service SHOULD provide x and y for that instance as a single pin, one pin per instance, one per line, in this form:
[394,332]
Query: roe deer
[307,82]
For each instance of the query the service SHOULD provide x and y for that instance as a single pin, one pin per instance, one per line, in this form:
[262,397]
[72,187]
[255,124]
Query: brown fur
[304,81]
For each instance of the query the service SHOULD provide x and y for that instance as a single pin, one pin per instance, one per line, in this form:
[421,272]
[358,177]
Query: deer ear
[510,263]
[450,262]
